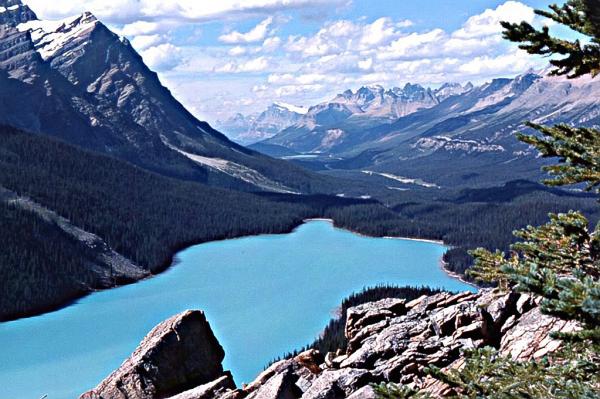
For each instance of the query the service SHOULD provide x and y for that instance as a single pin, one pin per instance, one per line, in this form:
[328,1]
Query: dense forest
[39,263]
[141,215]
[474,218]
[148,217]
[488,224]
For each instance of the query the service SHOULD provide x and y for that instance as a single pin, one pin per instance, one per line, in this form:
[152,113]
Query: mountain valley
[122,206]
[441,136]
[410,150]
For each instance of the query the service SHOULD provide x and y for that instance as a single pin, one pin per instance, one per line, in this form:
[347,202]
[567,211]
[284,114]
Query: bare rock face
[530,336]
[393,341]
[179,354]
[210,390]
[388,341]
[280,386]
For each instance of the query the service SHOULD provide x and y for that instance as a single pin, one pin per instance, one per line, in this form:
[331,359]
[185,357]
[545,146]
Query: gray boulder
[179,354]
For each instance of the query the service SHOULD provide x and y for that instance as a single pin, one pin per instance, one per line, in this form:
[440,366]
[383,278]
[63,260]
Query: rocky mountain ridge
[13,12]
[389,341]
[109,101]
[364,130]
[465,139]
[368,105]
[256,127]
[377,102]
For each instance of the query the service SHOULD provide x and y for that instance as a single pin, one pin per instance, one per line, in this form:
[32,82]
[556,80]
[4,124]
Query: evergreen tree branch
[577,59]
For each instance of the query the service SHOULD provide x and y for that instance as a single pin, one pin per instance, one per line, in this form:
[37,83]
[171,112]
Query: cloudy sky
[228,56]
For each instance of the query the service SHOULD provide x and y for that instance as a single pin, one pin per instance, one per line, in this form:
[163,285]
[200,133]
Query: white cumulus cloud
[488,22]
[125,11]
[254,65]
[142,42]
[236,51]
[257,34]
[162,57]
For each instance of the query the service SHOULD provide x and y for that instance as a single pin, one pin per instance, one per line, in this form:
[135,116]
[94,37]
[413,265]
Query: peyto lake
[263,295]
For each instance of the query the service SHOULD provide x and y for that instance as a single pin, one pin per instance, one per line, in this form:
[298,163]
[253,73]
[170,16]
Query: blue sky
[228,56]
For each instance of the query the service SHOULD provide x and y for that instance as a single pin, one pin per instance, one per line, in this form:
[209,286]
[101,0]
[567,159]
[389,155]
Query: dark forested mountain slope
[78,81]
[74,220]
[140,215]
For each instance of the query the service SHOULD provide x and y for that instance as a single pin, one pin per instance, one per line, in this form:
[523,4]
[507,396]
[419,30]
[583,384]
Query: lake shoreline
[456,276]
[173,261]
[440,242]
[442,264]
[267,284]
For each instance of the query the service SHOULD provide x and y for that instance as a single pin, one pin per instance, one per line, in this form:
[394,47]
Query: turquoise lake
[263,296]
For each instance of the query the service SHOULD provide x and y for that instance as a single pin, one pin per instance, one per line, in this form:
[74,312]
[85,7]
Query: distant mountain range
[76,80]
[257,127]
[455,135]
[366,106]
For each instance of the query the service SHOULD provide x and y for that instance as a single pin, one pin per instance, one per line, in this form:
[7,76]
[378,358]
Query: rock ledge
[389,341]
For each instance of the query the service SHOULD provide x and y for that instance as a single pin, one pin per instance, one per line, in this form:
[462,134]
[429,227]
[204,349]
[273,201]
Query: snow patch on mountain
[376,101]
[235,170]
[292,108]
[402,179]
[449,144]
[11,8]
[50,37]
[448,90]
[253,128]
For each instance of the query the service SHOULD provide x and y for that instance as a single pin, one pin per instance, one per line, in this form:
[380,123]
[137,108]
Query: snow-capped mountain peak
[252,128]
[50,37]
[292,108]
[376,101]
[14,12]
[452,89]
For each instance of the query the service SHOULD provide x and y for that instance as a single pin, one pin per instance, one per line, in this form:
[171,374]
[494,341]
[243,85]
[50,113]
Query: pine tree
[559,261]
[583,17]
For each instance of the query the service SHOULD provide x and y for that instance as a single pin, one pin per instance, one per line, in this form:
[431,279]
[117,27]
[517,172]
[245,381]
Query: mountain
[366,106]
[78,81]
[470,139]
[330,124]
[376,102]
[452,89]
[257,127]
[466,138]
[237,127]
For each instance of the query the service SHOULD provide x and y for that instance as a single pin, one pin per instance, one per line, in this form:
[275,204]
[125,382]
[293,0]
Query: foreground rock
[179,354]
[388,341]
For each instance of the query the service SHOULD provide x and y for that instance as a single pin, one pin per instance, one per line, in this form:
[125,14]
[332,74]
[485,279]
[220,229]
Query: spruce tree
[559,261]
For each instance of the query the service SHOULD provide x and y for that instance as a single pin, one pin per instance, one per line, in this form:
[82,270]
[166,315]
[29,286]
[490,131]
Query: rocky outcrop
[210,390]
[394,341]
[179,354]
